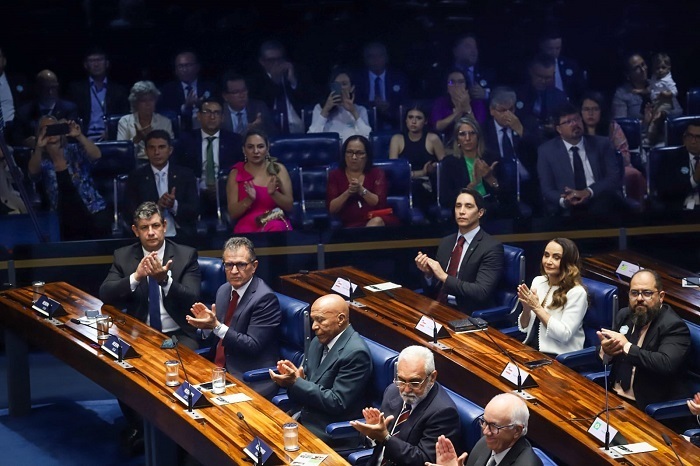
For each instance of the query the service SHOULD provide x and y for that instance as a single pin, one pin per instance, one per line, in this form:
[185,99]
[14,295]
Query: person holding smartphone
[555,304]
[339,113]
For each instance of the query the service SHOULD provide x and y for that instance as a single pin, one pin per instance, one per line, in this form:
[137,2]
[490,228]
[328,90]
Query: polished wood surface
[685,301]
[218,440]
[473,365]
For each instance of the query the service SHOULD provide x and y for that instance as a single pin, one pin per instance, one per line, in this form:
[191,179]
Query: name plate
[112,344]
[48,307]
[342,287]
[627,269]
[598,429]
[430,328]
[510,373]
[198,398]
[258,445]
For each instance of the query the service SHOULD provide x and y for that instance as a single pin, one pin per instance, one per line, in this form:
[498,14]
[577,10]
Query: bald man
[331,384]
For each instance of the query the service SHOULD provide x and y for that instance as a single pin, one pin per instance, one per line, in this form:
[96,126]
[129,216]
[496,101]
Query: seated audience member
[97,97]
[538,98]
[556,302]
[415,411]
[648,344]
[356,190]
[64,169]
[568,76]
[423,149]
[172,187]
[259,190]
[13,92]
[504,425]
[577,171]
[282,85]
[471,166]
[47,101]
[468,264]
[209,150]
[597,122]
[479,79]
[662,92]
[331,384]
[678,177]
[242,113]
[339,113]
[10,200]
[135,126]
[450,108]
[694,406]
[183,95]
[378,85]
[244,322]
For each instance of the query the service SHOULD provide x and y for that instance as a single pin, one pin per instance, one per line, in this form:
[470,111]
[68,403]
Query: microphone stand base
[611,453]
[440,346]
[524,395]
[194,414]
[124,365]
[356,304]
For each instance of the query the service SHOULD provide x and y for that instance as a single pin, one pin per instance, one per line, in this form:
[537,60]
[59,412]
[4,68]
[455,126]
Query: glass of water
[218,380]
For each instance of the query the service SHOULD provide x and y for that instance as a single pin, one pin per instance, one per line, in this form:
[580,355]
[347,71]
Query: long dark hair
[368,149]
[603,126]
[569,268]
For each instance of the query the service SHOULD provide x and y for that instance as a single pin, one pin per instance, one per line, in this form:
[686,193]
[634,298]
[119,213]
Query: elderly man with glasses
[243,324]
[648,346]
[415,411]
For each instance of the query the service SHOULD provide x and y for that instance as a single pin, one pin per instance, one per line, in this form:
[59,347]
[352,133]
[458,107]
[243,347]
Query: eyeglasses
[210,112]
[570,121]
[454,82]
[492,427]
[359,154]
[238,265]
[414,385]
[647,294]
[470,133]
[692,137]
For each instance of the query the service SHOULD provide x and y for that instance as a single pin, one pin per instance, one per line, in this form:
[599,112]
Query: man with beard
[649,347]
[418,410]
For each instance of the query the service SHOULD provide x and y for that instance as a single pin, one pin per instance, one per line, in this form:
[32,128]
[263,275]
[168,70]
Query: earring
[245,159]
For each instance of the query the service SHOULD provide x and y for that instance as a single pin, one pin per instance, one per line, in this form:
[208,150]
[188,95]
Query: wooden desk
[685,301]
[473,366]
[218,440]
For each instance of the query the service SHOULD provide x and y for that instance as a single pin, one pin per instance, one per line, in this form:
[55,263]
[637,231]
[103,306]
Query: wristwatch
[364,192]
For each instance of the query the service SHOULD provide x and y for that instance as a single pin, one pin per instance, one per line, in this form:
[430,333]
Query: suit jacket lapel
[565,165]
[592,159]
[417,413]
[471,248]
[333,354]
[244,301]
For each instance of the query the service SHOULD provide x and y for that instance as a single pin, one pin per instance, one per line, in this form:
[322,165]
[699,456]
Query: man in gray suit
[331,384]
[578,172]
[243,324]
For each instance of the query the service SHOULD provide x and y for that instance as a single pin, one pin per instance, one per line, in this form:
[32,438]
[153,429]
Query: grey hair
[236,242]
[141,88]
[519,413]
[419,352]
[147,210]
[503,95]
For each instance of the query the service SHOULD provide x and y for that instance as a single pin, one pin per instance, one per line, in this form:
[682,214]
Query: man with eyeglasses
[538,98]
[415,411]
[243,325]
[678,182]
[648,346]
[242,112]
[330,386]
[577,172]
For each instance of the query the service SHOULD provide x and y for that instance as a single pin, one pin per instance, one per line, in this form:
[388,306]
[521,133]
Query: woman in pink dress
[259,190]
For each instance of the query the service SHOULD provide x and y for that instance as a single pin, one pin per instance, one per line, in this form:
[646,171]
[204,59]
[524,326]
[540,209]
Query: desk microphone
[520,392]
[187,379]
[670,444]
[606,361]
[258,450]
[119,342]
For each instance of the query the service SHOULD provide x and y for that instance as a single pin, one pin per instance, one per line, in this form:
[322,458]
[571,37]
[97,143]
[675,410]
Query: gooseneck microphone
[670,444]
[119,341]
[255,437]
[187,379]
[520,392]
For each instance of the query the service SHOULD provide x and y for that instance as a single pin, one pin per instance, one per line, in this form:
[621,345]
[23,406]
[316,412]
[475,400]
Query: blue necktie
[154,303]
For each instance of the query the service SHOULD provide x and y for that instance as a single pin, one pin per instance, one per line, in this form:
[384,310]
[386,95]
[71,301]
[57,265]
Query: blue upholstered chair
[469,413]
[307,150]
[399,195]
[380,140]
[112,126]
[675,127]
[213,276]
[632,127]
[116,162]
[693,101]
[546,460]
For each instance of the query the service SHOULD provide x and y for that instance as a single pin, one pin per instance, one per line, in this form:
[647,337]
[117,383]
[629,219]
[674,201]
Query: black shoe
[132,442]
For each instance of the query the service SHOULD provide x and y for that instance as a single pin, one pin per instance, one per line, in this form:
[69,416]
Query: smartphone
[538,363]
[57,129]
[337,88]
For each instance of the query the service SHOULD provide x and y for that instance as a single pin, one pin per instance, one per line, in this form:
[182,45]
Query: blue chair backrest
[307,150]
[398,177]
[380,140]
[602,306]
[469,413]
[513,275]
[546,460]
[295,329]
[675,127]
[383,370]
[656,162]
[113,126]
[117,159]
[694,357]
[213,276]
[693,101]
[632,127]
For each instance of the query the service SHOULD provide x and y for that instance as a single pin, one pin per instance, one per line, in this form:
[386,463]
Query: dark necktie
[220,358]
[453,267]
[240,123]
[508,151]
[624,367]
[492,461]
[325,353]
[377,88]
[403,417]
[470,76]
[696,167]
[210,172]
[154,304]
[188,91]
[579,173]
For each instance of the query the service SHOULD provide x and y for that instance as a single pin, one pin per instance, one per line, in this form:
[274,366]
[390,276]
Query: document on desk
[382,287]
[641,447]
[228,399]
[309,459]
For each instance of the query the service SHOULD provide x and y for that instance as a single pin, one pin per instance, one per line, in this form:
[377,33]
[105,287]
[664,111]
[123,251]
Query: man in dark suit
[468,263]
[568,76]
[648,346]
[97,98]
[13,92]
[174,188]
[578,172]
[240,112]
[415,411]
[539,99]
[184,94]
[678,176]
[243,325]
[379,86]
[282,85]
[331,384]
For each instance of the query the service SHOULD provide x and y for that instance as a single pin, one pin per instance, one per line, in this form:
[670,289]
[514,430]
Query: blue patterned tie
[154,304]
